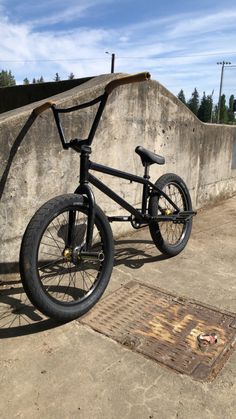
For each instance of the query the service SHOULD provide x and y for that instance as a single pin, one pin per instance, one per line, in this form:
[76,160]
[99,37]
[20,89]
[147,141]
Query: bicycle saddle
[148,157]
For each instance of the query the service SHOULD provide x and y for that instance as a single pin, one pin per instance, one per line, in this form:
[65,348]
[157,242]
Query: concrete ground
[70,371]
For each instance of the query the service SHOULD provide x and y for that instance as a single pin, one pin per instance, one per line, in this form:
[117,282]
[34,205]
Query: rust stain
[165,328]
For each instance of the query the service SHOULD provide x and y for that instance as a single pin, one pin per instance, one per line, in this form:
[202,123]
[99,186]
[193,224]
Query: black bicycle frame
[148,188]
[84,148]
[140,216]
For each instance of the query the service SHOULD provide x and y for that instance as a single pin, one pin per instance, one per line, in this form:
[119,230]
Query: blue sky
[179,42]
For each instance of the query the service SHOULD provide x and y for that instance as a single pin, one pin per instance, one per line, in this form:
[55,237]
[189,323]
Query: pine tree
[57,77]
[181,96]
[231,116]
[193,103]
[40,80]
[205,109]
[214,114]
[209,108]
[26,81]
[223,111]
[7,79]
[71,76]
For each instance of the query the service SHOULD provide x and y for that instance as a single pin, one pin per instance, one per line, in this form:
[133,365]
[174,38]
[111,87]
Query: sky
[178,42]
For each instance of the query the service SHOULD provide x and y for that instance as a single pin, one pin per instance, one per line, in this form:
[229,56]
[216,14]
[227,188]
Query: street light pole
[112,61]
[221,84]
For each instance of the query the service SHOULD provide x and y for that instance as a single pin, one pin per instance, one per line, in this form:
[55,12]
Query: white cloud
[177,50]
[44,12]
[75,11]
[201,24]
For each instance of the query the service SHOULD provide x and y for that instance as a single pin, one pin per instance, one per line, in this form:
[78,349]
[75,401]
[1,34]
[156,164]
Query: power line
[182,56]
[46,60]
[118,57]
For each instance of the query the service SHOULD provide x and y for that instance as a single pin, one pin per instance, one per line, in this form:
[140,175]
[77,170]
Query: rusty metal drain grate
[166,328]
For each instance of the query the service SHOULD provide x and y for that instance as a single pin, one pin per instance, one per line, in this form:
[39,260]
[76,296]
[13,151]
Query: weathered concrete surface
[72,372]
[34,168]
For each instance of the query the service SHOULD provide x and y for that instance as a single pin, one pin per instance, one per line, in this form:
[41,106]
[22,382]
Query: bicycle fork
[85,253]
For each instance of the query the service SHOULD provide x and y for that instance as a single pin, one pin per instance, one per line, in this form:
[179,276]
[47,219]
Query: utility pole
[112,61]
[212,105]
[221,83]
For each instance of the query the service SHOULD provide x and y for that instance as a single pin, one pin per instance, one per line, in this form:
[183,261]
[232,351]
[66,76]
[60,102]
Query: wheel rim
[172,233]
[61,278]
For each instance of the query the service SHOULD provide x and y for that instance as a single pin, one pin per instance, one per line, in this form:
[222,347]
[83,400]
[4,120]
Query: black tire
[170,238]
[59,288]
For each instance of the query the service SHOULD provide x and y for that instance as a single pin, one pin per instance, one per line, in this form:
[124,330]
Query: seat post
[146,171]
[145,188]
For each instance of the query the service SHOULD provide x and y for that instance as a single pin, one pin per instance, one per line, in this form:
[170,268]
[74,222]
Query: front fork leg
[71,224]
[87,191]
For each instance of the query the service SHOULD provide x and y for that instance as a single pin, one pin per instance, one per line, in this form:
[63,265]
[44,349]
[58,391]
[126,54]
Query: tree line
[206,111]
[7,79]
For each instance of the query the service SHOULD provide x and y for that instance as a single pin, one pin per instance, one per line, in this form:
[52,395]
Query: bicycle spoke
[61,278]
[50,263]
[52,238]
[171,232]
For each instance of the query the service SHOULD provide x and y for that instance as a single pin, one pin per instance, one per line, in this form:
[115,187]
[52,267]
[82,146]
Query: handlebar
[126,80]
[43,108]
[108,88]
[75,144]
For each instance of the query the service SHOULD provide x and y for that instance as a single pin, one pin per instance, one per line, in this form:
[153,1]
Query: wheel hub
[168,211]
[72,255]
[67,254]
[76,255]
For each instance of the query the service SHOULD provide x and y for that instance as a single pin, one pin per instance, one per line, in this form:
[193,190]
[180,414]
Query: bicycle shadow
[130,254]
[17,315]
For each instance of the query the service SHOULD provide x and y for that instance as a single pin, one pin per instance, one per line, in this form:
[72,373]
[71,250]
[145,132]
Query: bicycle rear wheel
[170,237]
[57,279]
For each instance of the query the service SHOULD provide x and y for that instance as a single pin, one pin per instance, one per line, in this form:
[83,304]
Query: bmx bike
[67,251]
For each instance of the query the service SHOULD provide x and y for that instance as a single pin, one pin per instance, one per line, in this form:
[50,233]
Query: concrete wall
[34,167]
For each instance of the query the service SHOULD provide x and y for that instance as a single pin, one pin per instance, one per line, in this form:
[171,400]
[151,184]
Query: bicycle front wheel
[57,279]
[170,237]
